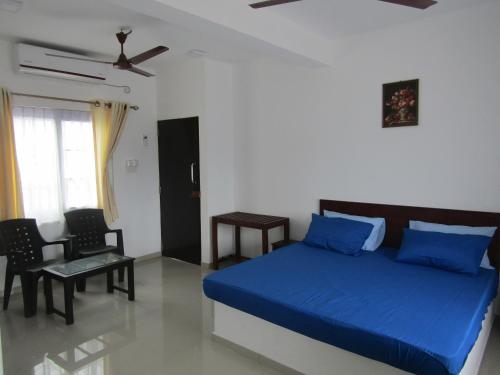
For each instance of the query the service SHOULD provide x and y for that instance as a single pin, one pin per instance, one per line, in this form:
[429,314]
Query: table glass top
[85,264]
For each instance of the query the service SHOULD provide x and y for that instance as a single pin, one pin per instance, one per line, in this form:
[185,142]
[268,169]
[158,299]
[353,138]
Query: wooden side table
[246,220]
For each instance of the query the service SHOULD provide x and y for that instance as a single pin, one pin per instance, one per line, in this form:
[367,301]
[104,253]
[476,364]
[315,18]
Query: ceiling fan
[124,63]
[420,4]
[268,3]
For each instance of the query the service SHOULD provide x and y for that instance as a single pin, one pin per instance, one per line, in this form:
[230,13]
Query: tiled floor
[165,331]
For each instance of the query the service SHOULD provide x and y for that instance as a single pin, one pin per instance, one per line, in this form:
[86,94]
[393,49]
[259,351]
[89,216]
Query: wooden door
[178,147]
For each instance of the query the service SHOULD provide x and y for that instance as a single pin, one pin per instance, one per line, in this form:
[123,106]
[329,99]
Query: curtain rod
[96,103]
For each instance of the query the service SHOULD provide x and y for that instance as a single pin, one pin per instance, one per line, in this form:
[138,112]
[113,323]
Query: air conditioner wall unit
[38,61]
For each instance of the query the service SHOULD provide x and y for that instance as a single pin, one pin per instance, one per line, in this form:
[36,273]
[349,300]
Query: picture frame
[400,103]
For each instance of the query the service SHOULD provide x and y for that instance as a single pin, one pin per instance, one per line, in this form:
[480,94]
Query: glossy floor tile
[165,331]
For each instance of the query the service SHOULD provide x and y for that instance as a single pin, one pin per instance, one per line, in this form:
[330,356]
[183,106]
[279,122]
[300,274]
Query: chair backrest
[88,226]
[21,242]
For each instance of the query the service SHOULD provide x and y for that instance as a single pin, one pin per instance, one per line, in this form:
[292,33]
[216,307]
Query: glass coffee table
[69,272]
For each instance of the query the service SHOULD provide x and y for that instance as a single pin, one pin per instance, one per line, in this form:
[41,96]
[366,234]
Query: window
[55,150]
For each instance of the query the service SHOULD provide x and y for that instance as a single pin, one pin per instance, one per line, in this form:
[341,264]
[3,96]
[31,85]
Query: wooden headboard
[398,217]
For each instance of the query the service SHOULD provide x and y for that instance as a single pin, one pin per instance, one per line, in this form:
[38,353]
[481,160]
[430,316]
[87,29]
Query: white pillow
[457,229]
[375,238]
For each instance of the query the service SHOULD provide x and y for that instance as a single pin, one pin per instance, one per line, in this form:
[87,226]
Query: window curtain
[55,152]
[38,156]
[108,121]
[78,165]
[11,198]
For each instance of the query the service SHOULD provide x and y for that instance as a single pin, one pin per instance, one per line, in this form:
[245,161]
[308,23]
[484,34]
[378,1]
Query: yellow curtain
[11,197]
[108,122]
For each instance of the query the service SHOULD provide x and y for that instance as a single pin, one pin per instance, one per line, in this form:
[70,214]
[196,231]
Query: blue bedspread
[422,320]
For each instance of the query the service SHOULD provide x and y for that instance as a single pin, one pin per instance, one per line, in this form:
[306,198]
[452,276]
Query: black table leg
[69,284]
[121,274]
[265,241]
[286,232]
[237,242]
[109,280]
[215,244]
[130,280]
[81,284]
[49,299]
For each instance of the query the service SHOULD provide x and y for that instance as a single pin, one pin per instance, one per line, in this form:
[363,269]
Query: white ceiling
[89,26]
[336,18]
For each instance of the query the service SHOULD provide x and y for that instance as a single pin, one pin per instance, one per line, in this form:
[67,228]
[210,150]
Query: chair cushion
[95,250]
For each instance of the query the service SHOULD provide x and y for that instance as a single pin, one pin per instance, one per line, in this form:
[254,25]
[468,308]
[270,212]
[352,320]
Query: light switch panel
[131,164]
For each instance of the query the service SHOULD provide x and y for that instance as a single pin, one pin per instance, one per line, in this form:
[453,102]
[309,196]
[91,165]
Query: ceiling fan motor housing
[122,37]
[122,62]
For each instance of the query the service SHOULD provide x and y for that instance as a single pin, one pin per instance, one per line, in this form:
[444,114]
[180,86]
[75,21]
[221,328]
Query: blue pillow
[457,229]
[342,235]
[377,234]
[452,252]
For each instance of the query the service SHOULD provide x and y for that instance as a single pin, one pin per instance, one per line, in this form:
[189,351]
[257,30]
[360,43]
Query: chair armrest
[60,241]
[67,245]
[114,231]
[119,239]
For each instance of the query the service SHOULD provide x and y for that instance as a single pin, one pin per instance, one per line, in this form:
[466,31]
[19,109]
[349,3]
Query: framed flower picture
[400,104]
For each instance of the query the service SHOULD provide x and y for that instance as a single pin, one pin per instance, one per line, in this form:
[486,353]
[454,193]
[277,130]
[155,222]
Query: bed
[321,312]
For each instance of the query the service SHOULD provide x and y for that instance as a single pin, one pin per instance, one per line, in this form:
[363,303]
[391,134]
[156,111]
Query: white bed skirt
[312,357]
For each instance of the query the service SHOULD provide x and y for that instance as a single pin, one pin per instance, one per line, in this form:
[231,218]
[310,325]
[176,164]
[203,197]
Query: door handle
[192,172]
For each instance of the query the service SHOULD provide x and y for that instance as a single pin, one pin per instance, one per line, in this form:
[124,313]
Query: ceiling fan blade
[268,3]
[148,55]
[140,71]
[420,4]
[78,58]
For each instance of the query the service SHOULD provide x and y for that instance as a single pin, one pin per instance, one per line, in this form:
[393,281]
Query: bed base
[312,357]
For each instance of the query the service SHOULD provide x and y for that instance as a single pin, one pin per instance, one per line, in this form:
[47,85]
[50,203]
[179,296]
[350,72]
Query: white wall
[304,134]
[204,88]
[220,152]
[139,217]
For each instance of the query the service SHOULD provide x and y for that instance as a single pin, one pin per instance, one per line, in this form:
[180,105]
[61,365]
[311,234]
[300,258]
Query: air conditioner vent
[36,60]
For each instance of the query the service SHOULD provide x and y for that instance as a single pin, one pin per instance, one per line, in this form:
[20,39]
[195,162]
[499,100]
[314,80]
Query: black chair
[88,229]
[23,245]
